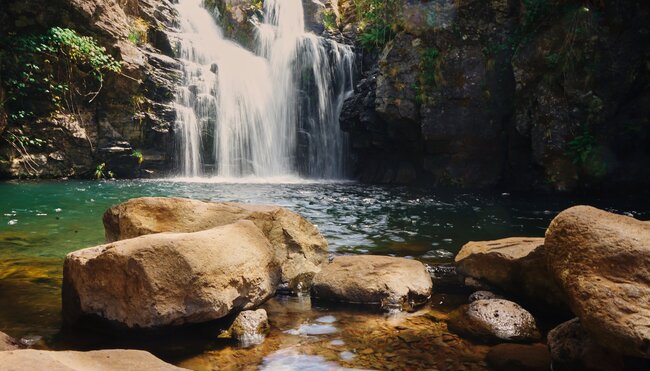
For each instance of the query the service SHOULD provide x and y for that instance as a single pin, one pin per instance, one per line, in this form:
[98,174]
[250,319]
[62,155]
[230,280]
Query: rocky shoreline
[172,262]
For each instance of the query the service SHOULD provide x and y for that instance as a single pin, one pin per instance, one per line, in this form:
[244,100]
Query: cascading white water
[274,113]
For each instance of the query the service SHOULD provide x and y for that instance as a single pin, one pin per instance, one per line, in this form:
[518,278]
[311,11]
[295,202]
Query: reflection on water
[41,222]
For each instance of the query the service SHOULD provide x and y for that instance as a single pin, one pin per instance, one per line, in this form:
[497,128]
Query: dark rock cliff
[133,112]
[532,94]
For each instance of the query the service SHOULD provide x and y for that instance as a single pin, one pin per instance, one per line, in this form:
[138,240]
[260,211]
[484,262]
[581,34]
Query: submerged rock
[515,265]
[299,247]
[602,261]
[7,342]
[573,349]
[250,326]
[519,357]
[171,278]
[495,320]
[391,283]
[114,359]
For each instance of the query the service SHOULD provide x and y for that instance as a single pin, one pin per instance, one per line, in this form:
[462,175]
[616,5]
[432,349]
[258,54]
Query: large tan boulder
[7,342]
[299,247]
[602,262]
[171,278]
[516,265]
[98,360]
[392,283]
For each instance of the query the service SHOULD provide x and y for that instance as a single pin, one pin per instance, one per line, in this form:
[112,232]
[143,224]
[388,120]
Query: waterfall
[267,113]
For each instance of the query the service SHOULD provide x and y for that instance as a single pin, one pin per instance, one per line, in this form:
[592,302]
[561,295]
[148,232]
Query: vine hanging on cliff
[52,72]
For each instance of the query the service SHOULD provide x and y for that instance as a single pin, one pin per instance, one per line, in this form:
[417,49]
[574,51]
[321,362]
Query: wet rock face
[602,261]
[495,320]
[572,348]
[387,282]
[133,107]
[516,265]
[496,93]
[171,278]
[20,360]
[299,247]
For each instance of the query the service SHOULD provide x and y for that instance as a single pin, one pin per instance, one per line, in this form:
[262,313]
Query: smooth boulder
[391,283]
[98,360]
[299,247]
[516,265]
[494,320]
[602,262]
[171,278]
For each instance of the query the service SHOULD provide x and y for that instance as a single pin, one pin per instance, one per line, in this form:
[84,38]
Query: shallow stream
[41,222]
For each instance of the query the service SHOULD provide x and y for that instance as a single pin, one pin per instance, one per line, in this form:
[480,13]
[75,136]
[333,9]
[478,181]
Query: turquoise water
[40,222]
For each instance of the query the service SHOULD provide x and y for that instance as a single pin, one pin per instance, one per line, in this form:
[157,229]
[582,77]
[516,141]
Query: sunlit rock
[516,265]
[171,278]
[391,283]
[495,320]
[250,327]
[117,359]
[298,245]
[602,262]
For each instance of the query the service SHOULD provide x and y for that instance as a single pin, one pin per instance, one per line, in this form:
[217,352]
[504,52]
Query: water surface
[40,222]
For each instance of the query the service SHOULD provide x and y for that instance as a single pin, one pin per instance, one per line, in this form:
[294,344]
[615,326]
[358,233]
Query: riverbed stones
[572,348]
[494,320]
[388,282]
[7,342]
[250,326]
[602,262]
[298,245]
[98,360]
[171,278]
[516,265]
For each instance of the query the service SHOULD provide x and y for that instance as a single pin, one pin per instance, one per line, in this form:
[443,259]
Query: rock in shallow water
[494,320]
[171,278]
[573,349]
[7,342]
[602,261]
[117,359]
[516,265]
[250,326]
[299,247]
[391,283]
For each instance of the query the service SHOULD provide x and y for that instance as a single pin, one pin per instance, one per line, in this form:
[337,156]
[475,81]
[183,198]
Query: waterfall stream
[267,113]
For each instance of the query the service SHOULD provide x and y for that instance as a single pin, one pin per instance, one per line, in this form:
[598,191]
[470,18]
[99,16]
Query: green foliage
[429,66]
[138,34]
[377,21]
[582,151]
[138,154]
[581,148]
[329,20]
[52,71]
[101,172]
[534,11]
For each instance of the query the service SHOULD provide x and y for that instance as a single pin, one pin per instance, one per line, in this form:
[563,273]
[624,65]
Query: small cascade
[269,113]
